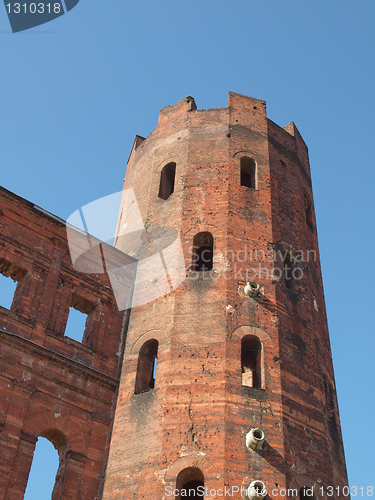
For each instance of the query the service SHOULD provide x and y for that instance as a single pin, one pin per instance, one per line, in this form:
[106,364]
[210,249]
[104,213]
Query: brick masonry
[51,385]
[198,413]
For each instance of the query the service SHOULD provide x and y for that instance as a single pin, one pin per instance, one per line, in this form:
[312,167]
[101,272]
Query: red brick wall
[51,385]
[199,413]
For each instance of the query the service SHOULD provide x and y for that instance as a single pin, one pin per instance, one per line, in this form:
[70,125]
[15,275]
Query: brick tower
[242,345]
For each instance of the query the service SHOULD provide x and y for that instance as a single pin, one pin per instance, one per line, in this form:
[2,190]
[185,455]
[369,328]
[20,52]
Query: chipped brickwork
[198,414]
[51,385]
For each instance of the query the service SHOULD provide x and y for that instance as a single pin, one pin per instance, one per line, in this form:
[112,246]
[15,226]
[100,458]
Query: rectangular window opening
[76,324]
[10,276]
[7,290]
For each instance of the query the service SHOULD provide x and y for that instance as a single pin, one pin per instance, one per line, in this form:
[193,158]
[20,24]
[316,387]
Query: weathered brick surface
[198,413]
[51,385]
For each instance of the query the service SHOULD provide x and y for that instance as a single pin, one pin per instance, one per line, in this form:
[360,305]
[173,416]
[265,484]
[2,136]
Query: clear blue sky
[75,92]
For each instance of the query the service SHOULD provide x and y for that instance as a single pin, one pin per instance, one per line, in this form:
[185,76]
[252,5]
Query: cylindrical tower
[228,379]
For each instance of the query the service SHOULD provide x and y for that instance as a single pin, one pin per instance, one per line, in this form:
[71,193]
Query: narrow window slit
[167,180]
[251,348]
[202,257]
[146,369]
[248,172]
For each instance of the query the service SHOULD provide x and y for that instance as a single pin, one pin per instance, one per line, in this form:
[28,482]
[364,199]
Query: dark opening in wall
[307,493]
[146,369]
[190,484]
[251,354]
[308,213]
[203,252]
[167,178]
[248,172]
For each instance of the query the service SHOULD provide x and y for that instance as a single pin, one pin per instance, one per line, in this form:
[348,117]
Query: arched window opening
[307,493]
[167,178]
[43,471]
[190,484]
[248,172]
[203,252]
[308,212]
[146,369]
[251,353]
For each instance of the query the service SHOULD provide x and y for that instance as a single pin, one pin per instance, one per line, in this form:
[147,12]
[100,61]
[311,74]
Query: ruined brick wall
[199,411]
[51,385]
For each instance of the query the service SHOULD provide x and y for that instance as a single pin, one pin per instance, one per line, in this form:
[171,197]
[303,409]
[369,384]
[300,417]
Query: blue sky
[74,93]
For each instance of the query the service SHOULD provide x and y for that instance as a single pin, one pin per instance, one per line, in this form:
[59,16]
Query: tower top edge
[185,104]
[188,103]
[292,129]
[241,109]
[236,98]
